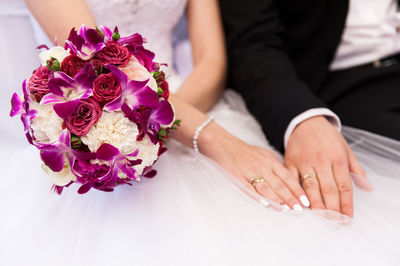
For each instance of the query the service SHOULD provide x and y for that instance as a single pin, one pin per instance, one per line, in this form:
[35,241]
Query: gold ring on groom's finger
[256,180]
[309,176]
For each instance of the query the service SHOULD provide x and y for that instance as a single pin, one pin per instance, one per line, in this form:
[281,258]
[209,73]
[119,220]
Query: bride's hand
[245,162]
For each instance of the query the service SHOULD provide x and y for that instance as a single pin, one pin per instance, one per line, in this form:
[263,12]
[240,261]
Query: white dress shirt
[371,33]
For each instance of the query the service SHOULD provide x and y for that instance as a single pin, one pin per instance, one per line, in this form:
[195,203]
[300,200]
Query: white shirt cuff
[331,116]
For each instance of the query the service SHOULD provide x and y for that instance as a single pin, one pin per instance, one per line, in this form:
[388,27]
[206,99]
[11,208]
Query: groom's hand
[317,149]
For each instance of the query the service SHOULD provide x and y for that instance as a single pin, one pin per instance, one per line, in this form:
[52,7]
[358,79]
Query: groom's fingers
[357,173]
[312,189]
[328,186]
[345,187]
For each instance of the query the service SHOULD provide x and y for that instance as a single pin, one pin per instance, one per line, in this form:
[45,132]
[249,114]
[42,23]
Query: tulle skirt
[194,213]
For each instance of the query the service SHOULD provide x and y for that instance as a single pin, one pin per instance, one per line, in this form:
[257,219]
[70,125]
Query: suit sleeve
[260,68]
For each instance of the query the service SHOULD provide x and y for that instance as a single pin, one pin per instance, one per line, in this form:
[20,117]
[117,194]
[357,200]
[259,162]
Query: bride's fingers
[266,191]
[250,191]
[290,178]
[283,192]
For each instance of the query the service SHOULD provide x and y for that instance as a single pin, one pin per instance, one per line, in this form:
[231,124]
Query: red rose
[106,88]
[37,85]
[113,53]
[85,116]
[71,65]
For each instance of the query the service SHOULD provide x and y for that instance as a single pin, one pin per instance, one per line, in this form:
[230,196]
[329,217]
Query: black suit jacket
[279,55]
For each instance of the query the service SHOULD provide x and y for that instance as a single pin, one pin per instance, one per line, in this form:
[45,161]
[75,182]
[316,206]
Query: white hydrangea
[62,178]
[115,129]
[57,52]
[47,126]
[148,153]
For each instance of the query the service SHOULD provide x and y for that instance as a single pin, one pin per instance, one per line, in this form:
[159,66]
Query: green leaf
[100,32]
[159,91]
[177,122]
[162,132]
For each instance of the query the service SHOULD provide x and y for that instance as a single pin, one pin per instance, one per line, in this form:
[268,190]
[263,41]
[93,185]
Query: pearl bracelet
[198,131]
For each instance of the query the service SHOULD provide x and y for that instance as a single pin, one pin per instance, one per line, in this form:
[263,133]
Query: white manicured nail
[285,207]
[264,202]
[297,208]
[304,200]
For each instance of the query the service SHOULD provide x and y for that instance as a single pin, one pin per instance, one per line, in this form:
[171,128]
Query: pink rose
[85,116]
[106,88]
[135,71]
[113,53]
[37,85]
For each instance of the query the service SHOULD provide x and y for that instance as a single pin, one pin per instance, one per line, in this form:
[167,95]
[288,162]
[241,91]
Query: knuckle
[340,159]
[330,190]
[345,188]
[321,157]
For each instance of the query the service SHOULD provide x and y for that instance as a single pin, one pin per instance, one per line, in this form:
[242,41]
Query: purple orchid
[21,107]
[66,92]
[103,180]
[85,43]
[151,120]
[145,58]
[54,155]
[134,93]
[122,162]
[108,33]
[132,41]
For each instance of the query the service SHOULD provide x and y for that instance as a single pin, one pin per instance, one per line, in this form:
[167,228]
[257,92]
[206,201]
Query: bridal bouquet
[97,109]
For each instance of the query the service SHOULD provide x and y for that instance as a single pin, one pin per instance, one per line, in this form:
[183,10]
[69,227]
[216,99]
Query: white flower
[115,129]
[57,52]
[62,178]
[47,126]
[148,153]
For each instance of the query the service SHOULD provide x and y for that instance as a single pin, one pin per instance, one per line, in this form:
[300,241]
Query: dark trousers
[366,97]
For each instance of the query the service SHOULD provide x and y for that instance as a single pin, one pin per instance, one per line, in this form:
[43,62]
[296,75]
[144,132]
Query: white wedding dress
[192,212]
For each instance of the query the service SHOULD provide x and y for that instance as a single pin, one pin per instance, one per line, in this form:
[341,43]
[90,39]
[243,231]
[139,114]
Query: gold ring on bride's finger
[309,176]
[256,180]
